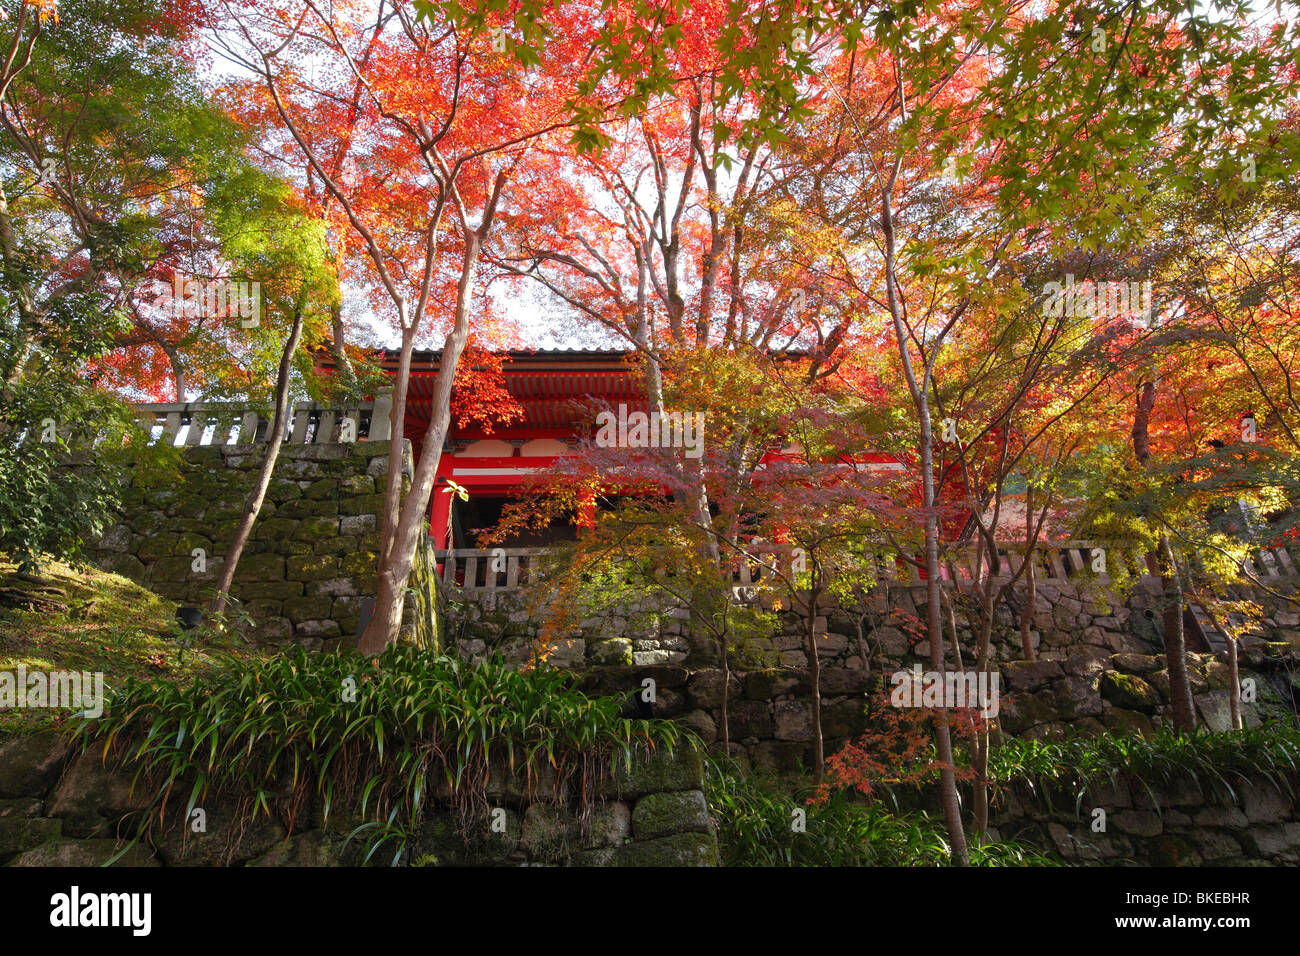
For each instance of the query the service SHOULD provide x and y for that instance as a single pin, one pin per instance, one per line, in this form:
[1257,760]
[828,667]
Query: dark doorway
[482,513]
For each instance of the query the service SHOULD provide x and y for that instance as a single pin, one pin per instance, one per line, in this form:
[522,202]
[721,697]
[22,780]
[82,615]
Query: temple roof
[426,360]
[550,384]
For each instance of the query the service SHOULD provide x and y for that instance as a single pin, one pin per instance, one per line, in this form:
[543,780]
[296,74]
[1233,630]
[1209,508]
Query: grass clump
[1074,765]
[756,827]
[375,738]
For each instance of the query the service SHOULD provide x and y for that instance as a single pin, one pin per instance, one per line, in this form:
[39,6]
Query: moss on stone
[357,485]
[172,569]
[261,567]
[684,849]
[361,562]
[188,542]
[281,490]
[270,590]
[312,529]
[310,567]
[1128,722]
[479,845]
[158,545]
[303,508]
[307,608]
[270,529]
[663,814]
[322,489]
[362,505]
[681,770]
[616,652]
[1128,691]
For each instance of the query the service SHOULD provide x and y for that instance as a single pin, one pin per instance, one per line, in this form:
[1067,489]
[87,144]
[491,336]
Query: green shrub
[755,829]
[373,737]
[1075,764]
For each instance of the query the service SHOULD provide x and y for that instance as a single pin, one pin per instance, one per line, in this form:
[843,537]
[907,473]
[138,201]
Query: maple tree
[832,515]
[283,251]
[414,125]
[105,117]
[649,533]
[901,176]
[96,143]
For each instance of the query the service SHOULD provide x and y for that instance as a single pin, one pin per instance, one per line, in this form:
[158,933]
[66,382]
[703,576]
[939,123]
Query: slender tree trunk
[1031,582]
[253,505]
[1234,675]
[934,625]
[338,348]
[952,630]
[934,628]
[980,756]
[1180,688]
[178,370]
[863,654]
[406,519]
[815,679]
[726,695]
[980,801]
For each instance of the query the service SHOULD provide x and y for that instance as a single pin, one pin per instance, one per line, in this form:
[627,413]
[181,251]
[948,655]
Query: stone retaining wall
[1067,615]
[770,712]
[1188,825]
[61,811]
[1099,667]
[56,811]
[312,555]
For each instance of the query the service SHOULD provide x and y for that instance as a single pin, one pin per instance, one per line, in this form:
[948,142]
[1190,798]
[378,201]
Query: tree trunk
[934,629]
[1180,688]
[934,625]
[1234,675]
[952,629]
[726,696]
[178,370]
[338,349]
[253,505]
[1031,582]
[980,759]
[405,519]
[863,653]
[815,679]
[410,520]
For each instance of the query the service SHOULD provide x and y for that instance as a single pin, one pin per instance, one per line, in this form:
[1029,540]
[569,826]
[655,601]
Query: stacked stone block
[61,808]
[312,556]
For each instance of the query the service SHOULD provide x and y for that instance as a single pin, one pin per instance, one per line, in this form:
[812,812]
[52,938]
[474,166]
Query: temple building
[555,390]
[551,387]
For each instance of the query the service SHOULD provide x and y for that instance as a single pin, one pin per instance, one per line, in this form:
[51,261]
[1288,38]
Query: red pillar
[440,508]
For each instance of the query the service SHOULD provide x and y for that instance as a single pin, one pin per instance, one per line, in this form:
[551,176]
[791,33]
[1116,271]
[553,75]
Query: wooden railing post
[300,419]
